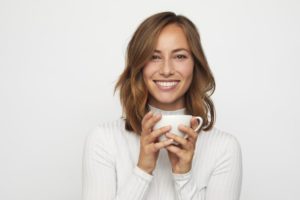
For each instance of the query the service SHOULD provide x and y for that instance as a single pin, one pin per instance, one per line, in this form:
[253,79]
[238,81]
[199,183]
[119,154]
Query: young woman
[166,73]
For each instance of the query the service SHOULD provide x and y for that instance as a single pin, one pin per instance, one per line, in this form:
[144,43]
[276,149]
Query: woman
[166,73]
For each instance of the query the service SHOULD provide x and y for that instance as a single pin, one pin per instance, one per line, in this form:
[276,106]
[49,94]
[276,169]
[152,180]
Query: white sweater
[110,169]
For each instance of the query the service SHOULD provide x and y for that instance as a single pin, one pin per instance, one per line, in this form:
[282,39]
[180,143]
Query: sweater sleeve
[99,177]
[224,183]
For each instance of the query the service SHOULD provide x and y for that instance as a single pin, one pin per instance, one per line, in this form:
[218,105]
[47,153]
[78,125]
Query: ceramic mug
[175,121]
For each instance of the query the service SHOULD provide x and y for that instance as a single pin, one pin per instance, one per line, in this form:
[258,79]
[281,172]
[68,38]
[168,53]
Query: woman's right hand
[149,144]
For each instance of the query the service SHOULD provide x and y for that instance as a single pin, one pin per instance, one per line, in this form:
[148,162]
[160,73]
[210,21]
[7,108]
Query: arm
[99,172]
[225,181]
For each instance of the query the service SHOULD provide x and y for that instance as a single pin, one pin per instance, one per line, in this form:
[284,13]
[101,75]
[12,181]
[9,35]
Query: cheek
[187,74]
[187,70]
[148,71]
[145,73]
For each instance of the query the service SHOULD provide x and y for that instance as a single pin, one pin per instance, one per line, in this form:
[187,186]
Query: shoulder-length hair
[133,91]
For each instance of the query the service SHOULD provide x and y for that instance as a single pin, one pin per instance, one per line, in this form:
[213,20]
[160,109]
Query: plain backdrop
[60,59]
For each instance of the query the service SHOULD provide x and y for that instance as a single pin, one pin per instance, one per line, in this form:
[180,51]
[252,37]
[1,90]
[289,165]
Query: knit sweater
[110,169]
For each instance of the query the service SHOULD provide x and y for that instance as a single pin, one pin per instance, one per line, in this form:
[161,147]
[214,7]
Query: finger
[159,145]
[155,134]
[191,134]
[183,142]
[181,154]
[176,150]
[151,121]
[145,118]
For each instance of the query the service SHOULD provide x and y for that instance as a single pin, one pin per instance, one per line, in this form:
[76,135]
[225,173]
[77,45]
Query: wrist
[145,169]
[181,170]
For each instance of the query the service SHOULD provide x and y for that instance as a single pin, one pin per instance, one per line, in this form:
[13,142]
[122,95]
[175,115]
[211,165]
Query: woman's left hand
[181,155]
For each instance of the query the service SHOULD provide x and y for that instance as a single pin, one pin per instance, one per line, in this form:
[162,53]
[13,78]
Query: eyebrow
[173,51]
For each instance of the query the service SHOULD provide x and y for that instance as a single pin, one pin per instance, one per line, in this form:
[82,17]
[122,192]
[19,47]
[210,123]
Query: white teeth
[166,84]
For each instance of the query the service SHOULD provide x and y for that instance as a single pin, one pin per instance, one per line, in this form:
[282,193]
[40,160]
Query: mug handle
[200,121]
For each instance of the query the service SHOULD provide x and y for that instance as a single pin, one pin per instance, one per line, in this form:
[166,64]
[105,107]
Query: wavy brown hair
[133,91]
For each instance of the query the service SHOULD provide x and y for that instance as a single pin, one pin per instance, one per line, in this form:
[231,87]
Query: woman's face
[169,72]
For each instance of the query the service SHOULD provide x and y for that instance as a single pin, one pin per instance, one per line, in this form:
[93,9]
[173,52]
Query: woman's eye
[154,57]
[181,57]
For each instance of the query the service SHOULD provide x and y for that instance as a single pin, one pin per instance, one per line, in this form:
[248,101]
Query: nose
[166,68]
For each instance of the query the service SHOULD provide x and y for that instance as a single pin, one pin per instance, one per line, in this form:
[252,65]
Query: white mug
[175,121]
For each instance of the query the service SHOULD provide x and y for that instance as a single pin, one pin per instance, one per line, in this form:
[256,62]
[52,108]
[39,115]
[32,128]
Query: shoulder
[102,135]
[105,129]
[220,153]
[221,140]
[100,145]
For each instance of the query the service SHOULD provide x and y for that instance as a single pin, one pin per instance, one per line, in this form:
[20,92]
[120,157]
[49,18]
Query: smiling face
[169,72]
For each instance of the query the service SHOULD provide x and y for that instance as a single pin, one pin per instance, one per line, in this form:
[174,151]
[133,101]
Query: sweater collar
[167,112]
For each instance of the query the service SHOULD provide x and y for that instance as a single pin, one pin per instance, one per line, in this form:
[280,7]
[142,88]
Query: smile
[166,85]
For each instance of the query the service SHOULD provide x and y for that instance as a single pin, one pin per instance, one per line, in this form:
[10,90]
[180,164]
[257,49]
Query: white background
[60,59]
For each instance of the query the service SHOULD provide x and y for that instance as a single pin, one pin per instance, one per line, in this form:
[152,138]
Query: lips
[166,85]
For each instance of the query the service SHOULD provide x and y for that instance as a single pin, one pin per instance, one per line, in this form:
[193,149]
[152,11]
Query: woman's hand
[149,145]
[181,156]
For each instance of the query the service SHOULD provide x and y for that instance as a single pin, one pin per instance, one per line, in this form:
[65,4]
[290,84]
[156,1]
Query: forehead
[171,37]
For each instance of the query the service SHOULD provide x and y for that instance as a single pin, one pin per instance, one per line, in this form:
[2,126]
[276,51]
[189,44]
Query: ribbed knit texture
[110,169]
